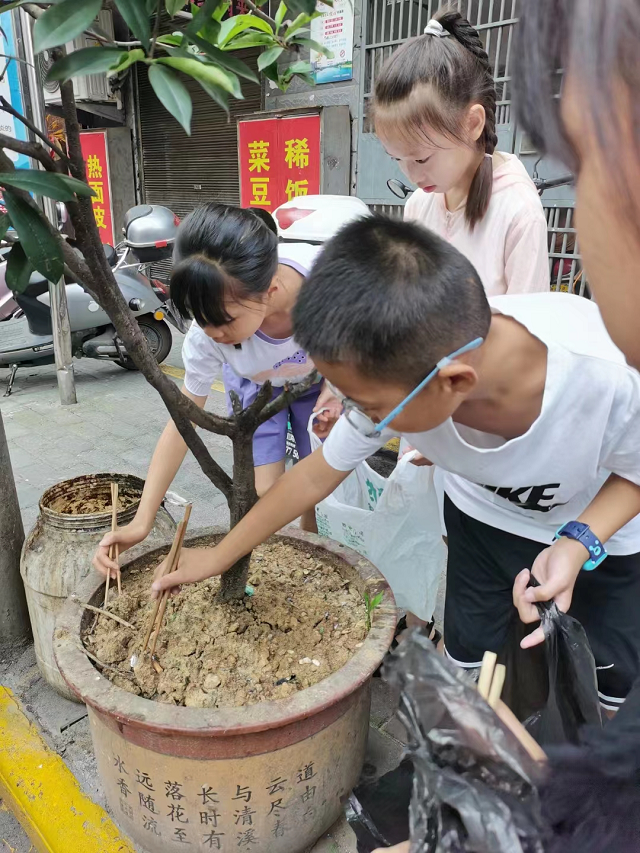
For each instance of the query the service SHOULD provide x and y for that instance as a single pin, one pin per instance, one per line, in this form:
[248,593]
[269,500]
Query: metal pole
[57,290]
[14,617]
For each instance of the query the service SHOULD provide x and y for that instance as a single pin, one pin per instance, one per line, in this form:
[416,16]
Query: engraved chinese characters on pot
[208,815]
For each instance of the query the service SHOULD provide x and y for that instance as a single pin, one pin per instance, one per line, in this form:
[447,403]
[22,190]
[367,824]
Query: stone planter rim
[94,519]
[135,711]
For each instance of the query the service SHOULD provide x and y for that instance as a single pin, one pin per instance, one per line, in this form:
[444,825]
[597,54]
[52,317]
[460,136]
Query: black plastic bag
[387,799]
[474,785]
[552,689]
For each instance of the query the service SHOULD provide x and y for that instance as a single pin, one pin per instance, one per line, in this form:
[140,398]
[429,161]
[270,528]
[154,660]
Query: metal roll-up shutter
[180,171]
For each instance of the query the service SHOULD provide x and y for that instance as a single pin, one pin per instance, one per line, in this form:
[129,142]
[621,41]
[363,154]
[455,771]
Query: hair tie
[435,28]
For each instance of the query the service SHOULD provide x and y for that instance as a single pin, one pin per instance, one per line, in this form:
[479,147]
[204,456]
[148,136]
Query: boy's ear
[459,378]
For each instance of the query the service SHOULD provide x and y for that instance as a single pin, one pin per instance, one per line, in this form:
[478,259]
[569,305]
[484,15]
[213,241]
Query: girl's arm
[165,463]
[526,254]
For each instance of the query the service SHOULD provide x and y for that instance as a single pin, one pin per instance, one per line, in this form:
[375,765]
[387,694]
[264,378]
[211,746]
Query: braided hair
[430,82]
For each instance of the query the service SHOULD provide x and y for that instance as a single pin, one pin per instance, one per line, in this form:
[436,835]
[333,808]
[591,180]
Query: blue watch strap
[582,533]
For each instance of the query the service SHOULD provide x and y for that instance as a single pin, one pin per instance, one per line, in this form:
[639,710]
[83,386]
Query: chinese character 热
[94,169]
[309,793]
[276,785]
[150,824]
[244,817]
[276,806]
[173,790]
[126,809]
[145,780]
[296,153]
[260,190]
[306,773]
[119,763]
[124,788]
[296,188]
[208,796]
[209,817]
[147,802]
[247,837]
[180,835]
[97,187]
[242,794]
[177,813]
[259,157]
[213,839]
[279,829]
[98,212]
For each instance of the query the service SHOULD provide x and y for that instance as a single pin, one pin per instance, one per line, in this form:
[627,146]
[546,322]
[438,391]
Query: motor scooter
[26,335]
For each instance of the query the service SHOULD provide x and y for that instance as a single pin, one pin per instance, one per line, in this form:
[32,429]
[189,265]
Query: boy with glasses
[523,401]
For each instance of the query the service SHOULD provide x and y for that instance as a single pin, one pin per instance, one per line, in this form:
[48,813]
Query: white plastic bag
[393,522]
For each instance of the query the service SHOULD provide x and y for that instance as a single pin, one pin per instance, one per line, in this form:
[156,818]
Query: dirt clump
[303,622]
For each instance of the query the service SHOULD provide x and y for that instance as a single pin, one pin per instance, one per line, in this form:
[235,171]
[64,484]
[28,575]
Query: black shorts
[482,566]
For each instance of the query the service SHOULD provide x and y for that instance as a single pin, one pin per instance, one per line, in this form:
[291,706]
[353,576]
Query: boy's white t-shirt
[260,358]
[588,428]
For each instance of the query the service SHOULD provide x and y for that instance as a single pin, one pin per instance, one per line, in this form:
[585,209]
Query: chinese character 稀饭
[98,188]
[94,169]
[296,188]
[98,212]
[260,190]
[296,153]
[259,156]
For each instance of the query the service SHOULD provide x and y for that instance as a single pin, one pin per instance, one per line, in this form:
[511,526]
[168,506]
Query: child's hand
[196,564]
[332,406]
[125,537]
[556,569]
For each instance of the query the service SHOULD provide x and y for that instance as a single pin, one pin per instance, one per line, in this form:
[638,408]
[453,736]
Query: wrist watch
[582,533]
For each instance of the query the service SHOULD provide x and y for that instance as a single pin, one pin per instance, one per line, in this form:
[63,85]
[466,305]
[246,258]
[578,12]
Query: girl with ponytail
[435,113]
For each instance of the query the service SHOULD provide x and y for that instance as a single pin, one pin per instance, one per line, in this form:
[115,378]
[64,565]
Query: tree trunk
[243,497]
[14,617]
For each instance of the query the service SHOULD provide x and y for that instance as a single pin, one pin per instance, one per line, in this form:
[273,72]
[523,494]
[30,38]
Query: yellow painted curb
[44,795]
[178,373]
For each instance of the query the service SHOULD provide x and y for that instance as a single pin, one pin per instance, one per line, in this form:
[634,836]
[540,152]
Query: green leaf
[211,74]
[173,6]
[305,7]
[300,22]
[173,40]
[61,23]
[19,269]
[313,45]
[221,98]
[172,94]
[250,40]
[269,57]
[296,68]
[49,184]
[17,3]
[229,62]
[282,11]
[5,224]
[131,57]
[40,245]
[88,60]
[137,18]
[206,20]
[238,24]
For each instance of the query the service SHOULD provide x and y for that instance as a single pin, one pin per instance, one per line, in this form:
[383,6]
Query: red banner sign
[94,151]
[279,160]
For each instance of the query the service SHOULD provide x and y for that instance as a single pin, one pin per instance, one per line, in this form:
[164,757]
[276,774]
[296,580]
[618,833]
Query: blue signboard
[11,89]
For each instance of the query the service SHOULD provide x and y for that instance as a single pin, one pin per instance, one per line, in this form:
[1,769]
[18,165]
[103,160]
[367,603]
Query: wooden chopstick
[170,566]
[114,525]
[490,686]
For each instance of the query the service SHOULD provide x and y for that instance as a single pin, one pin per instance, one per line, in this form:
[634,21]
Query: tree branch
[30,149]
[260,14]
[156,30]
[7,108]
[289,394]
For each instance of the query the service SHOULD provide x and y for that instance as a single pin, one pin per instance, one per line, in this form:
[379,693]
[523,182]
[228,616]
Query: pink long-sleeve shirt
[508,247]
